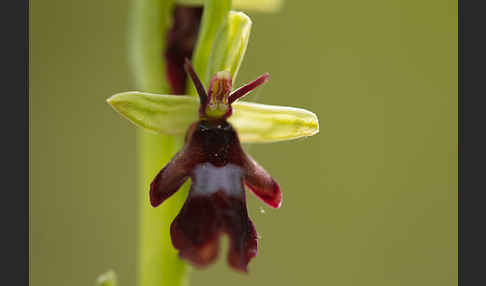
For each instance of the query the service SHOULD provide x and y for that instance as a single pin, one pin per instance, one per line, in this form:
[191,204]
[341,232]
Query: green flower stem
[158,263]
[149,24]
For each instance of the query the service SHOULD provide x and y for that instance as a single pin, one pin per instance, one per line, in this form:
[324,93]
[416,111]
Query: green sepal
[214,15]
[222,43]
[262,123]
[170,114]
[158,113]
[229,46]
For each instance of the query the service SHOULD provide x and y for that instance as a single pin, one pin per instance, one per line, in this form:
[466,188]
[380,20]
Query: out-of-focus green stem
[149,24]
[158,263]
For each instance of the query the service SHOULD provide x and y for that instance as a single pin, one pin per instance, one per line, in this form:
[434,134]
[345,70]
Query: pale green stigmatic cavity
[254,122]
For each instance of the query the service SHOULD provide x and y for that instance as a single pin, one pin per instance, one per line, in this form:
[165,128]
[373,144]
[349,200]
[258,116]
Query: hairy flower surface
[219,168]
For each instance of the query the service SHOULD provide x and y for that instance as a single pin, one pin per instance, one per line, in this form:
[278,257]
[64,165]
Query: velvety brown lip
[218,167]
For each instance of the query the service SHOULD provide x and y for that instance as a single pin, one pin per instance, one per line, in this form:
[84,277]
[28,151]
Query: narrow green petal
[169,114]
[255,5]
[107,279]
[230,45]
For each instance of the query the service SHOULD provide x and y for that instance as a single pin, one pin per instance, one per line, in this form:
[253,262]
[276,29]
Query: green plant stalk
[157,263]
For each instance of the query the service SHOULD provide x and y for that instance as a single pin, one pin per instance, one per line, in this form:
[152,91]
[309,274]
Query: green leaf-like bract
[170,114]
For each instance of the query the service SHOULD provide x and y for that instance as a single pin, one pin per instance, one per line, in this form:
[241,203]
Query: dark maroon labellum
[219,168]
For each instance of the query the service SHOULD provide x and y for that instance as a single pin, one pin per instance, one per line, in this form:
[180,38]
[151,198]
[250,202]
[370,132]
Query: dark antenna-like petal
[244,90]
[203,97]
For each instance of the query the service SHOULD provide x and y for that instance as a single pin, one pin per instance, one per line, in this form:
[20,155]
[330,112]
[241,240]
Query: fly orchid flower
[219,168]
[213,158]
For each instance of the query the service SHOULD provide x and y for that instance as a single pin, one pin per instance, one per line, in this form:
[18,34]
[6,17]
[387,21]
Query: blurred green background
[370,200]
